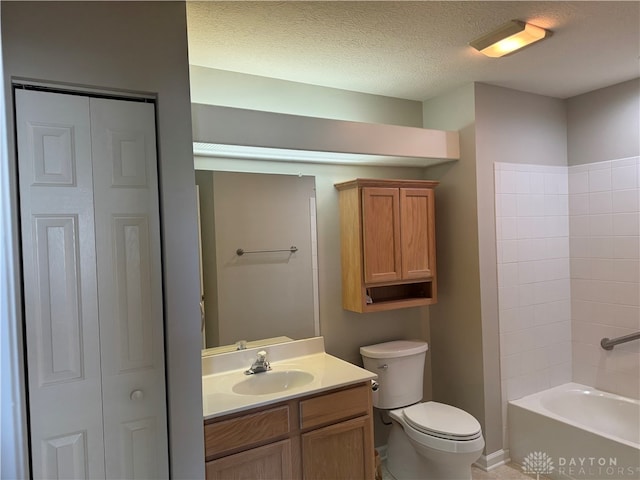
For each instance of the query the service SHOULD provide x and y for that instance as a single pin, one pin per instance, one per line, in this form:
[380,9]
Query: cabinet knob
[137,395]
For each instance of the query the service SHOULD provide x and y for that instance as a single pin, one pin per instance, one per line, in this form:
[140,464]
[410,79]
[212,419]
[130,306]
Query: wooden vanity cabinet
[387,232]
[318,437]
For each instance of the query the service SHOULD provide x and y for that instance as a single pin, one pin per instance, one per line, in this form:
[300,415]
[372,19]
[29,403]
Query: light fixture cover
[508,38]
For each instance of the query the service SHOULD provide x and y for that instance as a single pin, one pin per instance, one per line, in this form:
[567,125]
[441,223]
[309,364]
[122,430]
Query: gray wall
[456,321]
[231,89]
[140,47]
[496,124]
[204,180]
[519,127]
[515,127]
[604,124]
[269,294]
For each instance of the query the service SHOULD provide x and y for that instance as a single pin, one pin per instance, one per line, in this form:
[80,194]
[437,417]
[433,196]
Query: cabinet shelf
[399,296]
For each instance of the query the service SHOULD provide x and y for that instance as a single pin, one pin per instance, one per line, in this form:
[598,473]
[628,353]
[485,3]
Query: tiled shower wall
[568,244]
[604,208]
[532,231]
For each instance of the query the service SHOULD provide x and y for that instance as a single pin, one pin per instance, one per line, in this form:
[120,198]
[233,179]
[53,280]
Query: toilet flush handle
[384,366]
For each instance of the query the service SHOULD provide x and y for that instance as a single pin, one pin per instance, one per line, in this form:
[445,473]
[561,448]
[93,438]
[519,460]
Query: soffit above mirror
[250,134]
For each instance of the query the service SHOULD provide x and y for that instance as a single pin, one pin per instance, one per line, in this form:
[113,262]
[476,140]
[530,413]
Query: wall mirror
[258,258]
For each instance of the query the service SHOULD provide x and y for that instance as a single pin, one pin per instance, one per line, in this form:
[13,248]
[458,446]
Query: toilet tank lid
[397,348]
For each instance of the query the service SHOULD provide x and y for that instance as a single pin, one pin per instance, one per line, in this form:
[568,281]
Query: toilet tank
[400,368]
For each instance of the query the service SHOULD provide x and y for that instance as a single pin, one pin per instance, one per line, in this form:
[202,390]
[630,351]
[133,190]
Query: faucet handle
[260,364]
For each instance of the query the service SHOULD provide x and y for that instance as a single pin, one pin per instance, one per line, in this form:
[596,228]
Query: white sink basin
[272,382]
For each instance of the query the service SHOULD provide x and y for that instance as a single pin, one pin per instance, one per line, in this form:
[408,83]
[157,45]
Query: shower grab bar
[292,249]
[609,343]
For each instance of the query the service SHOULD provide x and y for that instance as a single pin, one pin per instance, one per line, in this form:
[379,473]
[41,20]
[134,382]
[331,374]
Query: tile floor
[510,471]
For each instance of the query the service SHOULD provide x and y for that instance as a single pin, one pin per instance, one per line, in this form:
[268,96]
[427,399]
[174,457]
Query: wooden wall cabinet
[318,437]
[388,250]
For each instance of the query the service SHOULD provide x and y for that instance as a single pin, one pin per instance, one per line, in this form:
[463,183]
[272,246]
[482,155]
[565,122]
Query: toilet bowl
[428,440]
[426,449]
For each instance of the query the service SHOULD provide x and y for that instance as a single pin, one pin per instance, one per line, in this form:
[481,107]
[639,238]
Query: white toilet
[428,440]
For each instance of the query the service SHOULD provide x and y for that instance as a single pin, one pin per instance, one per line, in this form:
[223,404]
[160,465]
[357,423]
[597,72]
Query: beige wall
[134,47]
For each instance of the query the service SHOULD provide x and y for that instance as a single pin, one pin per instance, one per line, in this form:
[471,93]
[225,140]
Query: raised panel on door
[270,462]
[381,234]
[343,451]
[418,235]
[59,275]
[130,288]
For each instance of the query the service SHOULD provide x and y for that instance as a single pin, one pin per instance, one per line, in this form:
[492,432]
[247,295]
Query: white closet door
[129,288]
[60,294]
[93,287]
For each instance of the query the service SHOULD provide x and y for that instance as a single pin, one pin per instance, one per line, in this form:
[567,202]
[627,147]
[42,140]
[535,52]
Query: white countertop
[221,372]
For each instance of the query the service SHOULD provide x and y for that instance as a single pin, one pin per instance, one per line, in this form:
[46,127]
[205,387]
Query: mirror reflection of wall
[258,295]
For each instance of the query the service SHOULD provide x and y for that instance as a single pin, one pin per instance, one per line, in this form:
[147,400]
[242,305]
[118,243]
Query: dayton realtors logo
[538,463]
[598,467]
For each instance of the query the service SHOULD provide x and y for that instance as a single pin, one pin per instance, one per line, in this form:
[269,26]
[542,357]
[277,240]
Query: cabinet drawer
[246,430]
[335,407]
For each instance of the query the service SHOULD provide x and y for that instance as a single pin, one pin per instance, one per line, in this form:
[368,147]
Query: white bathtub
[578,432]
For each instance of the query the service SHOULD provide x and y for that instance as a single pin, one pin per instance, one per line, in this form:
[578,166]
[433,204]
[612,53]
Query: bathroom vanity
[309,417]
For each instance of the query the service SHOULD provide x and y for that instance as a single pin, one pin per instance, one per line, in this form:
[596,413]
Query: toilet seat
[442,421]
[435,440]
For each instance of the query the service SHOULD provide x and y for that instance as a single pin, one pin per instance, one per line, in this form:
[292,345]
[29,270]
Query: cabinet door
[340,451]
[381,234]
[263,463]
[418,233]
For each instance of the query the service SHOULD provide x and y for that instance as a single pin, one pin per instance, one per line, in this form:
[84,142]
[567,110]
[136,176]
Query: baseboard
[485,462]
[493,460]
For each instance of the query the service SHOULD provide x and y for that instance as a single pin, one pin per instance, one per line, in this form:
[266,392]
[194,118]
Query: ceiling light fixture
[508,38]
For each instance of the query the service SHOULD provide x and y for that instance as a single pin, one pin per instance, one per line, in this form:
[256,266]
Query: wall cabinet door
[339,452]
[381,234]
[417,228]
[92,286]
[269,462]
[398,234]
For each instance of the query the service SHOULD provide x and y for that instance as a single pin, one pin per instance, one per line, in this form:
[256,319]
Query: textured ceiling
[417,50]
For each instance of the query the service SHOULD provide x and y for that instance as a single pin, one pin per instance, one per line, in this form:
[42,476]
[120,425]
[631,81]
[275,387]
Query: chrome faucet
[259,365]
